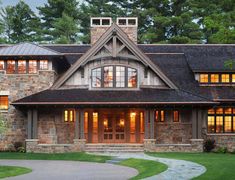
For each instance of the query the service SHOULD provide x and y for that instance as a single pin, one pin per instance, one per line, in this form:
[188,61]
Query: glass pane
[227,124]
[162,116]
[120,125]
[71,115]
[3,102]
[66,116]
[132,77]
[21,66]
[43,64]
[214,78]
[132,122]
[96,77]
[219,111]
[156,116]
[233,78]
[32,66]
[228,110]
[86,122]
[108,76]
[2,65]
[211,124]
[120,76]
[10,66]
[219,124]
[95,122]
[141,122]
[225,78]
[176,116]
[211,111]
[203,78]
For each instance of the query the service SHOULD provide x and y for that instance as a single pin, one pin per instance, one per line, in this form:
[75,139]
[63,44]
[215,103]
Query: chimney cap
[101,21]
[127,21]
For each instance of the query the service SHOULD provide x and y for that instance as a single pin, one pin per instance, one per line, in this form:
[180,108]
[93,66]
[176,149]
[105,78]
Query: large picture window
[114,77]
[11,68]
[221,120]
[21,66]
[32,66]
[3,102]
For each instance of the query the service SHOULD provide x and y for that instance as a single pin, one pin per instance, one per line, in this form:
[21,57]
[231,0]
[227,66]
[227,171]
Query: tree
[65,29]
[53,11]
[20,23]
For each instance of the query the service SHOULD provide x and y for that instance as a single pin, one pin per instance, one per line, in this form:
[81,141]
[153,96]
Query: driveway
[70,170]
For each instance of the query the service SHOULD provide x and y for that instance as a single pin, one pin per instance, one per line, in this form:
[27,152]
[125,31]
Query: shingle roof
[27,49]
[85,96]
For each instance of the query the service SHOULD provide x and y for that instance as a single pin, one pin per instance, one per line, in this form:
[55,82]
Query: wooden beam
[121,48]
[114,46]
[29,124]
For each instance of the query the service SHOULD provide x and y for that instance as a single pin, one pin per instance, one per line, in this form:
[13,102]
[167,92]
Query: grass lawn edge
[10,171]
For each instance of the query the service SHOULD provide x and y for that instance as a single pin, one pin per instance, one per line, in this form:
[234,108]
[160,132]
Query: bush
[209,145]
[221,150]
[21,149]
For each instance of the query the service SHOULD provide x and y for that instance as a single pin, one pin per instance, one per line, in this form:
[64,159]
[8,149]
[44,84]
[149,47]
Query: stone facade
[18,87]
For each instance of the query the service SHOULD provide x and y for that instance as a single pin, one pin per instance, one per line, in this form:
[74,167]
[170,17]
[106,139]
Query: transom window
[215,78]
[4,102]
[114,77]
[221,120]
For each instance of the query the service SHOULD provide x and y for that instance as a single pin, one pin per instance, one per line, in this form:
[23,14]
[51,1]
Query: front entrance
[113,128]
[114,125]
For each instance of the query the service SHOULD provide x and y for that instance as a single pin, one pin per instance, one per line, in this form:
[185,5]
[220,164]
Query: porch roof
[90,97]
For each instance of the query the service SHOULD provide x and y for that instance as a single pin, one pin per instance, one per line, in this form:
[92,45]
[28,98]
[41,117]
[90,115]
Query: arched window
[114,77]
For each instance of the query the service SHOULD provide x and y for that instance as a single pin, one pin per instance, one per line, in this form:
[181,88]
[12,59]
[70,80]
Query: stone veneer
[20,86]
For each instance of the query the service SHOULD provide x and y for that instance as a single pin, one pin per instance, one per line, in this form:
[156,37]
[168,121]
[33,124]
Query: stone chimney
[99,26]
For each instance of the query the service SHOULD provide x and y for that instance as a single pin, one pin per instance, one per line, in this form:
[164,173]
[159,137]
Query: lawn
[219,166]
[146,168]
[8,171]
[78,156]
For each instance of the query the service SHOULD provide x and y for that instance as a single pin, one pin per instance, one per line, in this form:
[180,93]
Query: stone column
[29,124]
[151,124]
[35,124]
[146,124]
[82,136]
[194,123]
[77,116]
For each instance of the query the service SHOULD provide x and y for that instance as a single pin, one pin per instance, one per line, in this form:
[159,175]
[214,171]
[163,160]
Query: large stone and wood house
[115,93]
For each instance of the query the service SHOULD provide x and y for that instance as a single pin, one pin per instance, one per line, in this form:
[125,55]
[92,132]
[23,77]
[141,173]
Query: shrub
[21,149]
[209,144]
[221,150]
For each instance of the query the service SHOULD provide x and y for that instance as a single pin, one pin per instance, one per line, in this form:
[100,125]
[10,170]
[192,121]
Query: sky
[32,3]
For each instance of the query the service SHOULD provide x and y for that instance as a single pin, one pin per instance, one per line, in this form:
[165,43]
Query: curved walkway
[70,170]
[177,169]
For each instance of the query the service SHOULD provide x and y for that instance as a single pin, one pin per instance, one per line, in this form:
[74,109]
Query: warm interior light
[122,122]
[133,114]
[105,123]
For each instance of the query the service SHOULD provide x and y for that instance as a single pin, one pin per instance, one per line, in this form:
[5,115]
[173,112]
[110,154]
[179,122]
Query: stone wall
[18,87]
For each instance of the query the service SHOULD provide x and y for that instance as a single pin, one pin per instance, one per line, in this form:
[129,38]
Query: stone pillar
[77,116]
[194,123]
[149,145]
[29,124]
[151,124]
[31,145]
[146,122]
[82,136]
[35,124]
[197,145]
[79,145]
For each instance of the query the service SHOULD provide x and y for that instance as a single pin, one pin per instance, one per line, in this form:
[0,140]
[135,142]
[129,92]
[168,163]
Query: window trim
[114,77]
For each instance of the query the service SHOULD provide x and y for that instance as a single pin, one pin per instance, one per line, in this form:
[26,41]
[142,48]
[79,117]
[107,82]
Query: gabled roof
[114,30]
[27,49]
[95,97]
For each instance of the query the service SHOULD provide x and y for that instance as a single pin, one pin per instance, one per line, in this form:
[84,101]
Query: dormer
[215,78]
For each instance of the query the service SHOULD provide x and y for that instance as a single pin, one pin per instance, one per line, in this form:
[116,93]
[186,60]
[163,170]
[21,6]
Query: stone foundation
[32,145]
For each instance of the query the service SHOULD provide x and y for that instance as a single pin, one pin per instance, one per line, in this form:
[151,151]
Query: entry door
[114,128]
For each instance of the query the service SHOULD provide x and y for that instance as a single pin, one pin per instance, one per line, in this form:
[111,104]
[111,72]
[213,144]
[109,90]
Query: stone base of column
[31,145]
[149,145]
[79,144]
[197,145]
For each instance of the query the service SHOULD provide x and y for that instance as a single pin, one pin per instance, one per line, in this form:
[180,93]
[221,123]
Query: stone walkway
[177,169]
[70,170]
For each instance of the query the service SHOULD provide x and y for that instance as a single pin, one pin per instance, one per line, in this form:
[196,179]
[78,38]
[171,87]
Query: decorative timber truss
[114,43]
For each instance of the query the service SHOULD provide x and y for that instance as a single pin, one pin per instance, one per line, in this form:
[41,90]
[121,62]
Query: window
[43,64]
[11,69]
[120,76]
[221,120]
[225,78]
[2,66]
[132,77]
[203,78]
[114,76]
[69,115]
[214,78]
[3,102]
[108,76]
[160,115]
[175,116]
[21,66]
[233,78]
[32,66]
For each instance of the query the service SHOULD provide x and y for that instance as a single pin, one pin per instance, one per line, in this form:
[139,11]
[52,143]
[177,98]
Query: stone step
[114,151]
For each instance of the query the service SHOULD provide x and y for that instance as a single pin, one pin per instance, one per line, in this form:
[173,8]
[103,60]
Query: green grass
[78,156]
[146,168]
[219,166]
[8,171]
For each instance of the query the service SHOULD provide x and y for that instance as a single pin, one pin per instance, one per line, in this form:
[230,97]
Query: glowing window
[95,122]
[228,110]
[108,76]
[69,116]
[211,111]
[162,118]
[219,111]
[211,124]
[214,78]
[233,78]
[32,66]
[203,78]
[86,122]
[21,66]
[120,76]
[219,124]
[3,102]
[156,116]
[132,122]
[43,64]
[11,68]
[132,77]
[2,66]
[175,116]
[227,124]
[141,122]
[225,78]
[96,77]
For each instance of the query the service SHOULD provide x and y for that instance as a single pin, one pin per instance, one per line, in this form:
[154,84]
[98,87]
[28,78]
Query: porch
[81,129]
